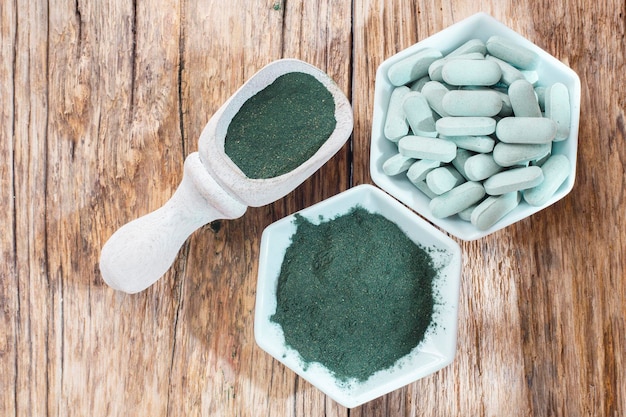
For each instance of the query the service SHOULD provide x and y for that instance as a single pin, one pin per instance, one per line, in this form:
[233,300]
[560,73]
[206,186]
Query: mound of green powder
[354,293]
[281,126]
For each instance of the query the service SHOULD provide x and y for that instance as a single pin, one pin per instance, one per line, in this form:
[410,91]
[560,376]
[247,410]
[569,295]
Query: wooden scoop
[212,188]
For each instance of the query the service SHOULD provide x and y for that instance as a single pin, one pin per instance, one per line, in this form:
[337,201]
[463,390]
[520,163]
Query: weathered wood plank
[27,300]
[114,135]
[9,303]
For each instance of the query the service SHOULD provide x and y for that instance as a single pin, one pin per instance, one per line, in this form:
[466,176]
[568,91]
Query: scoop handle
[141,251]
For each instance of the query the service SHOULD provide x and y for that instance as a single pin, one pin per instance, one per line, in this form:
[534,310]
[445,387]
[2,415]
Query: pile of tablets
[475,129]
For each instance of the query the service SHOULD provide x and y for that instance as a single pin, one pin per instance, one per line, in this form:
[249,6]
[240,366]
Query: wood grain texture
[100,102]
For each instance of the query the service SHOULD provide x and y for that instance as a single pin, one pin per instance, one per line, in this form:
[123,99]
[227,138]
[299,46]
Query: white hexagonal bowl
[549,69]
[439,345]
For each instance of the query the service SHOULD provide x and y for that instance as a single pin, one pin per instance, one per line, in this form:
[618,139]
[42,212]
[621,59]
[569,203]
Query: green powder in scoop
[354,293]
[281,126]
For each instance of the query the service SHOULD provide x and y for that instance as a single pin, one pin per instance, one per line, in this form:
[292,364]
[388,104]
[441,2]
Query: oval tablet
[494,208]
[419,115]
[510,154]
[396,125]
[523,99]
[558,109]
[509,73]
[556,169]
[481,166]
[511,52]
[471,72]
[472,103]
[457,199]
[434,92]
[397,164]
[443,179]
[422,147]
[435,69]
[465,126]
[418,171]
[481,144]
[469,47]
[513,180]
[535,130]
[412,67]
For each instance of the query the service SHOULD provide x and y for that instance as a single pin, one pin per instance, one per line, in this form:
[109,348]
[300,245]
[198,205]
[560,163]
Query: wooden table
[101,101]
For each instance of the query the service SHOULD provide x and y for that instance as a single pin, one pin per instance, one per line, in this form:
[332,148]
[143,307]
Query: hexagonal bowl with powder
[438,345]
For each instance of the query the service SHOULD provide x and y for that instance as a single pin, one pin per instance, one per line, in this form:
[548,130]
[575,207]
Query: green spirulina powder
[354,293]
[281,126]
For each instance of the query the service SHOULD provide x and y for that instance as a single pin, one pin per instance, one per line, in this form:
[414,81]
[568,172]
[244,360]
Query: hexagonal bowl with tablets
[434,352]
[549,70]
